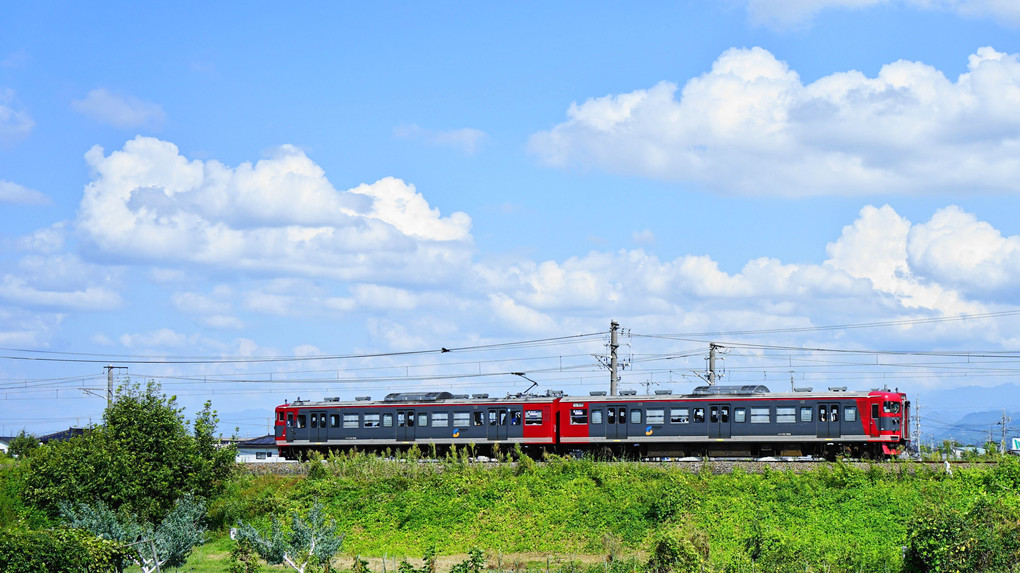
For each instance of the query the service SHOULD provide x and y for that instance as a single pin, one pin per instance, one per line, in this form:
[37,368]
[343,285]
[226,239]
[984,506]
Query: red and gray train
[710,421]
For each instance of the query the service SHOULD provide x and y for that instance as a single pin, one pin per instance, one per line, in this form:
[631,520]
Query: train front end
[889,421]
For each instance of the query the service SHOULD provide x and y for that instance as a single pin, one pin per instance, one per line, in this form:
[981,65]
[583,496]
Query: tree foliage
[22,445]
[143,458]
[172,540]
[310,540]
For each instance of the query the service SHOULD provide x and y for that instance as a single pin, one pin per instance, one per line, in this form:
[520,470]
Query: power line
[53,356]
[905,322]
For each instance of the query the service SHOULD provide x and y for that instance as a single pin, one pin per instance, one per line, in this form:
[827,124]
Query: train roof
[699,393]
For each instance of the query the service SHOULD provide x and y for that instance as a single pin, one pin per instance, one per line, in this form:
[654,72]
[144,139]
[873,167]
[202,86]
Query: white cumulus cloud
[280,216]
[60,282]
[955,248]
[751,126]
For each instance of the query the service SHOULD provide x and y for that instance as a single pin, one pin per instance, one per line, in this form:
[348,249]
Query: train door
[616,422]
[498,422]
[405,425]
[290,426]
[719,420]
[317,427]
[828,420]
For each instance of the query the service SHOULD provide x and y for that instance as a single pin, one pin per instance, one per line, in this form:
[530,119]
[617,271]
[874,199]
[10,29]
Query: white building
[257,450]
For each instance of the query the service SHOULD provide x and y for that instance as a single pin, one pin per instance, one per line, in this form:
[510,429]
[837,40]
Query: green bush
[984,538]
[678,549]
[58,551]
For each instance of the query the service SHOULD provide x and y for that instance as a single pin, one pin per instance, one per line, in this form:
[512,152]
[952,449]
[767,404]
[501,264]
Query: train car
[438,419]
[737,421]
[711,421]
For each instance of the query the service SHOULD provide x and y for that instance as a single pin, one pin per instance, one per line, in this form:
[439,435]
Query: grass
[582,516]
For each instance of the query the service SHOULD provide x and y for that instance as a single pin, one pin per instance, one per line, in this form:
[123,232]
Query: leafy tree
[22,445]
[312,540]
[142,459]
[166,545]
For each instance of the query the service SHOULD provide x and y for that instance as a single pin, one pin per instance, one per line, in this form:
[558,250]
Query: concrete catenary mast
[614,343]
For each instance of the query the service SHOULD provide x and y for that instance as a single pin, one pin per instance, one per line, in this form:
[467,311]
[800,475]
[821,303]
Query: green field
[563,515]
[581,513]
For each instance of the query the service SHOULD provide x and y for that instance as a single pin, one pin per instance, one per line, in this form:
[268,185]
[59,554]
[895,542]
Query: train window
[334,420]
[387,420]
[823,414]
[260,455]
[611,416]
[713,416]
[786,415]
[314,422]
[504,416]
[760,416]
[515,418]
[699,415]
[724,414]
[850,414]
[679,416]
[635,416]
[350,421]
[290,418]
[371,420]
[492,417]
[440,420]
[891,407]
[301,421]
[578,416]
[532,417]
[656,417]
[805,414]
[279,416]
[740,415]
[478,419]
[423,420]
[834,414]
[874,411]
[461,419]
[596,416]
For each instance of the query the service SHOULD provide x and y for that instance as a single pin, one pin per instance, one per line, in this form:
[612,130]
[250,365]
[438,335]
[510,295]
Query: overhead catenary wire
[85,358]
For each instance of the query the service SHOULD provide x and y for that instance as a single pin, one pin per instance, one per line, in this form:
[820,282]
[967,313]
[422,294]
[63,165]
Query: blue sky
[242,181]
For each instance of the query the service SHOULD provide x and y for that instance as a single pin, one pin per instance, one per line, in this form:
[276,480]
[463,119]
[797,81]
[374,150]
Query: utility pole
[1005,420]
[917,430]
[614,343]
[712,348]
[109,382]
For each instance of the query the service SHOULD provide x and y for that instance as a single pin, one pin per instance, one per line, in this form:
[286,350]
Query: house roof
[62,435]
[259,442]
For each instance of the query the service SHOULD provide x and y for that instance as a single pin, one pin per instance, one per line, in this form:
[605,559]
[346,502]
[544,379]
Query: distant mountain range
[968,414]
